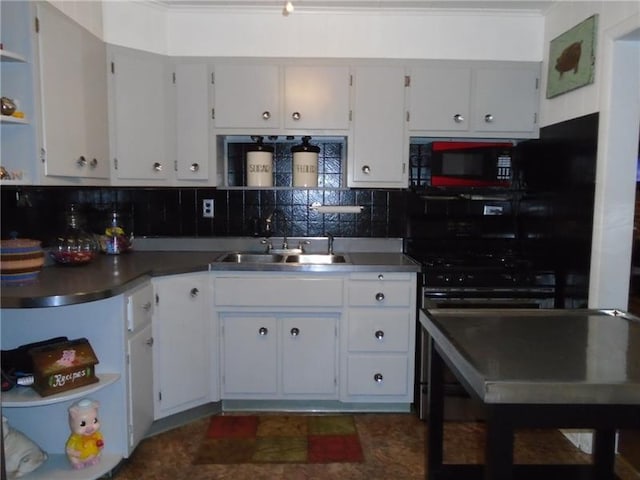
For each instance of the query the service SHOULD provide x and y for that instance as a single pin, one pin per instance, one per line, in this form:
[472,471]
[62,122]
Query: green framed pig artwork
[572,58]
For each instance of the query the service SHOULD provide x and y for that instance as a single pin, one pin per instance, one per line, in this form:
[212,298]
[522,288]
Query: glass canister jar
[74,246]
[117,236]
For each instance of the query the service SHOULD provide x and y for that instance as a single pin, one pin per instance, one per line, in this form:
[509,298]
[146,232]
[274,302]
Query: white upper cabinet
[272,96]
[73,78]
[316,97]
[247,96]
[475,99]
[379,141]
[141,102]
[192,122]
[506,100]
[440,99]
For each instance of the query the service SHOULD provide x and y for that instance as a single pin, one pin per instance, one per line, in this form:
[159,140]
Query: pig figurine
[85,443]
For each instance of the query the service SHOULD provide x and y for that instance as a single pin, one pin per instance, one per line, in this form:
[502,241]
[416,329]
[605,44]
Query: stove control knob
[461,278]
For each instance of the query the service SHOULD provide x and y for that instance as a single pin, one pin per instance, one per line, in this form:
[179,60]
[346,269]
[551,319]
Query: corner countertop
[111,275]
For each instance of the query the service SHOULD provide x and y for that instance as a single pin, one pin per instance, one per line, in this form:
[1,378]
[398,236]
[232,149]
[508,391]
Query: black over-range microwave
[471,164]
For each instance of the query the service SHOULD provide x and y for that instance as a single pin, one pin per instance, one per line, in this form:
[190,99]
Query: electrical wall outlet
[207,208]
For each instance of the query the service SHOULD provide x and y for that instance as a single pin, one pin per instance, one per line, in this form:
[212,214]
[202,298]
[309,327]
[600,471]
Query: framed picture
[572,58]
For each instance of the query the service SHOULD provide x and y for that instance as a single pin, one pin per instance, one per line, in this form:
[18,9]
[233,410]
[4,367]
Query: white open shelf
[28,397]
[16,120]
[8,56]
[57,467]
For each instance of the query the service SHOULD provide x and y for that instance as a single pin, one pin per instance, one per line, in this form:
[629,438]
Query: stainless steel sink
[251,258]
[316,258]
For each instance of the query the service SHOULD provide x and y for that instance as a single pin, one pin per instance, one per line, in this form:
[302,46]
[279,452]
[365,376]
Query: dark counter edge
[141,267]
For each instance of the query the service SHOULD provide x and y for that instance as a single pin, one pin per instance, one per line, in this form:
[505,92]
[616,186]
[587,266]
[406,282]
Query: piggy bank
[85,443]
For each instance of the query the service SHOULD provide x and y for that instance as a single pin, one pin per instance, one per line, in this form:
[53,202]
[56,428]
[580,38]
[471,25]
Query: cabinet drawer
[385,330]
[139,307]
[273,292]
[377,375]
[381,293]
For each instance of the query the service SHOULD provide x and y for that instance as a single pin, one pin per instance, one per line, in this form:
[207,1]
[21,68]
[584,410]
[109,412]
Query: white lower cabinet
[279,356]
[379,350]
[183,347]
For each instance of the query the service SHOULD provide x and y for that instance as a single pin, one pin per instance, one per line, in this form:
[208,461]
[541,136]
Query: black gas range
[492,277]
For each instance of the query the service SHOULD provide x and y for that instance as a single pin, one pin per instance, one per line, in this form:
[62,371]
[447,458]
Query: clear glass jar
[116,239]
[74,246]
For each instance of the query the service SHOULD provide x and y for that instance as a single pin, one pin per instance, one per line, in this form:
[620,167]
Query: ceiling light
[288,8]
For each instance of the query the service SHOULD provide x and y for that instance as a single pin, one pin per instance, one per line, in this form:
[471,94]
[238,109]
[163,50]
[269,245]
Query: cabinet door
[73,77]
[440,99]
[506,100]
[309,355]
[247,96]
[379,142]
[141,104]
[182,363]
[140,370]
[192,121]
[249,350]
[316,97]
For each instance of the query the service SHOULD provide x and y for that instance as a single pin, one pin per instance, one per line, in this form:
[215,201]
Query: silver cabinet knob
[194,292]
[81,162]
[266,115]
[146,307]
[378,377]
[157,166]
[295,332]
[488,118]
[366,169]
[379,296]
[296,115]
[263,331]
[149,342]
[379,334]
[194,167]
[380,276]
[458,118]
[93,163]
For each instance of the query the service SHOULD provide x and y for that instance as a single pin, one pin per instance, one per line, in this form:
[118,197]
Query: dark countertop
[541,356]
[111,275]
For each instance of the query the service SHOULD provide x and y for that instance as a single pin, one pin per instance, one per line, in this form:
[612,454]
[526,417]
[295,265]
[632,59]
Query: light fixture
[288,8]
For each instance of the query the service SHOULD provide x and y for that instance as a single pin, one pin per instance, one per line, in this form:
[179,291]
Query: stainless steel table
[535,369]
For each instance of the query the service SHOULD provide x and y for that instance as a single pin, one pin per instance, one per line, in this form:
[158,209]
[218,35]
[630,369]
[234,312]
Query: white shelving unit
[9,56]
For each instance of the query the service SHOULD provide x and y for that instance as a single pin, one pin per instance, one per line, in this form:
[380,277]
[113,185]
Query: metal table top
[541,356]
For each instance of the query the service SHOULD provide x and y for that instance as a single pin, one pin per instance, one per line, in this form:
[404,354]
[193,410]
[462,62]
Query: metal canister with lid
[259,164]
[305,164]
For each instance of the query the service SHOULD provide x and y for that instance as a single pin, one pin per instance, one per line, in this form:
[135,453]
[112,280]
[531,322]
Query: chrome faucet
[269,228]
[329,243]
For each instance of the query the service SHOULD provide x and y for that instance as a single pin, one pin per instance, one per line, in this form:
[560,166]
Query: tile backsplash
[38,212]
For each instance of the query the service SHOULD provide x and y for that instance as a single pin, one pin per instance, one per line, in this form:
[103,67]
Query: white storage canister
[305,164]
[260,165]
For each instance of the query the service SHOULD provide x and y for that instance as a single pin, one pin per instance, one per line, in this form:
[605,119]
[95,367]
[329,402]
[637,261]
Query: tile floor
[393,446]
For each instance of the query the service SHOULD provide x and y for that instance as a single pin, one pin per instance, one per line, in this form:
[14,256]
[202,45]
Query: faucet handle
[267,242]
[302,243]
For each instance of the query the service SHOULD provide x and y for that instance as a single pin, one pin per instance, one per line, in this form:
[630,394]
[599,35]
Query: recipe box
[63,366]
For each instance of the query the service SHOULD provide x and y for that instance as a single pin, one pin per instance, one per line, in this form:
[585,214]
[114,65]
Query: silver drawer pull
[266,115]
[379,296]
[379,334]
[378,377]
[380,277]
[81,161]
[458,118]
[194,292]
[194,167]
[263,331]
[488,118]
[295,332]
[149,342]
[157,167]
[296,115]
[93,163]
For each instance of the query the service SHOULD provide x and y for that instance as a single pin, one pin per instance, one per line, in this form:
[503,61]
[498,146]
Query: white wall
[560,18]
[87,14]
[207,31]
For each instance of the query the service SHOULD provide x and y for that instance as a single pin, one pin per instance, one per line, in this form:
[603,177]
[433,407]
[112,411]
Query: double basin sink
[271,258]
